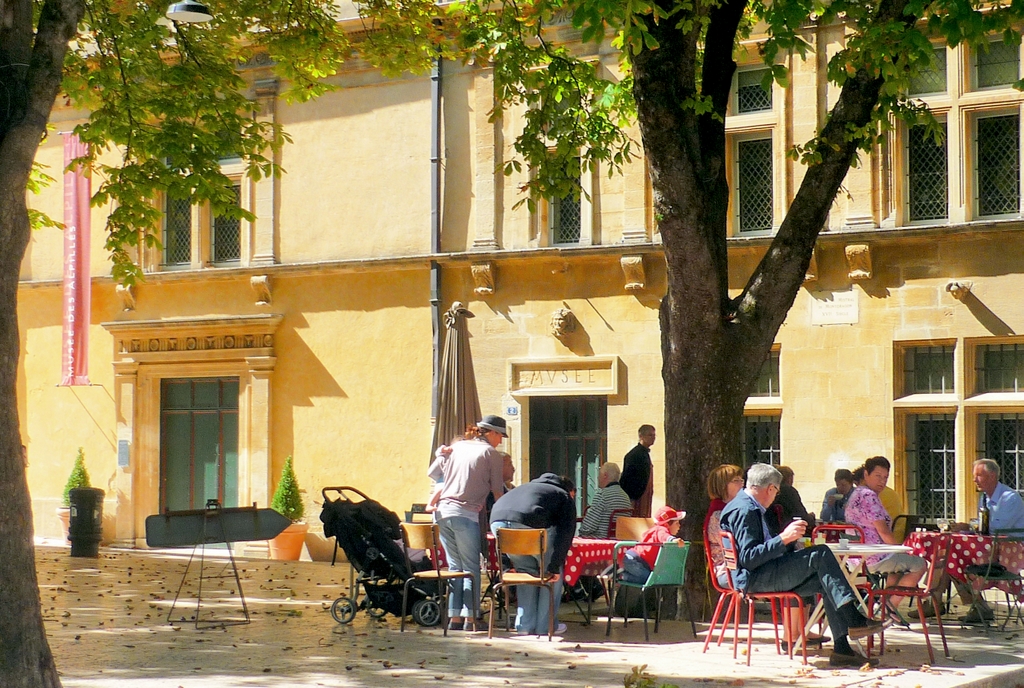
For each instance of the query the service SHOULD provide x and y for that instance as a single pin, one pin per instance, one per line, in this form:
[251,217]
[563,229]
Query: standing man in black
[637,477]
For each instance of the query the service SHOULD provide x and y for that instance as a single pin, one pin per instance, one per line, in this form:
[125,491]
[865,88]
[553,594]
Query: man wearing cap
[637,476]
[473,471]
[640,560]
[545,502]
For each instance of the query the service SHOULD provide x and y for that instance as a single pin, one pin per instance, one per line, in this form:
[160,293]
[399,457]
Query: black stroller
[371,537]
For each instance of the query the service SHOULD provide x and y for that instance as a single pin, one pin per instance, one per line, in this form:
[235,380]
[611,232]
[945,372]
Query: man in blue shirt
[1005,506]
[835,499]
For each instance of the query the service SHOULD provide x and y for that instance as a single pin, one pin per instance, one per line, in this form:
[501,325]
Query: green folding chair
[669,572]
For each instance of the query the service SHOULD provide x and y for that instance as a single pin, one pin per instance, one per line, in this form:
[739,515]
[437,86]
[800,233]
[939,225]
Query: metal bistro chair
[669,572]
[427,536]
[613,520]
[525,542]
[783,598]
[993,573]
[724,594]
[938,557]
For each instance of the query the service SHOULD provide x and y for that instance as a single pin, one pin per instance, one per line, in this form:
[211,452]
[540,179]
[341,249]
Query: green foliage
[37,181]
[79,478]
[639,678]
[287,499]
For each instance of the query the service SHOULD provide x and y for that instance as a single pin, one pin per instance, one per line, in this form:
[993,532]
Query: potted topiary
[79,478]
[287,501]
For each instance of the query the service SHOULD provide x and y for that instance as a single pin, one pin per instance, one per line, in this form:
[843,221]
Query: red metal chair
[783,598]
[724,593]
[938,557]
[834,531]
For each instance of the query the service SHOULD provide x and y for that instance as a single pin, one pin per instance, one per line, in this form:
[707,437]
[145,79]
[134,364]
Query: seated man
[834,505]
[610,497]
[864,508]
[768,563]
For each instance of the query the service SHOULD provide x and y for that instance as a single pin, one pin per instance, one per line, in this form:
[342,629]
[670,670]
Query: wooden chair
[613,520]
[937,557]
[426,536]
[632,527]
[524,542]
[783,598]
[669,572]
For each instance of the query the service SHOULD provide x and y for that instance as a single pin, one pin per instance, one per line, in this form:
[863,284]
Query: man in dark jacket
[767,562]
[637,478]
[547,502]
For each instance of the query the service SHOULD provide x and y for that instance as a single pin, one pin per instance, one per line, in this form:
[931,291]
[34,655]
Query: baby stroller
[371,537]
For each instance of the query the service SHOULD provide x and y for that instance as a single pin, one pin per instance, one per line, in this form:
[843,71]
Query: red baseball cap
[667,514]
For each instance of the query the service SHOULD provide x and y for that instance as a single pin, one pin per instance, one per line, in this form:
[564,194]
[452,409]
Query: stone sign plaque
[835,307]
[538,377]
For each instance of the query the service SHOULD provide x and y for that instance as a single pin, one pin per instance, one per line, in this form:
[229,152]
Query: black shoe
[812,641]
[838,659]
[976,616]
[870,628]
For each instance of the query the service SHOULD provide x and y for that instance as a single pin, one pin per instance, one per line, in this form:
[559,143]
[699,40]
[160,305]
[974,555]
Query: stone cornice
[194,339]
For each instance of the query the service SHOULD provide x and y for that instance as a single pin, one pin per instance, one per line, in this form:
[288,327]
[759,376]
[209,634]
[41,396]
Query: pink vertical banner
[77,284]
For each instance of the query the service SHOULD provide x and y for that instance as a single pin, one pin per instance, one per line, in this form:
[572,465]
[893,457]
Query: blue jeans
[461,539]
[533,612]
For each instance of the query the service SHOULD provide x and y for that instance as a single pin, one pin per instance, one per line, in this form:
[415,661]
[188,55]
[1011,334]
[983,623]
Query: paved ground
[107,623]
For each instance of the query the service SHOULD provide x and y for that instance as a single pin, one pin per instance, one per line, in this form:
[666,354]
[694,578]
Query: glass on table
[974,525]
[943,524]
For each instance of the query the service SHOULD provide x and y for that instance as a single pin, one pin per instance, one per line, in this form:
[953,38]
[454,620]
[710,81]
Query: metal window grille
[1001,438]
[1000,368]
[754,185]
[933,79]
[762,440]
[177,231]
[999,65]
[768,380]
[227,234]
[751,96]
[928,175]
[928,370]
[565,220]
[931,465]
[998,165]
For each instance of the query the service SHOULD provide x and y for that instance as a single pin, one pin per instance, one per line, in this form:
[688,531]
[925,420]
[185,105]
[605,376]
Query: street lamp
[189,12]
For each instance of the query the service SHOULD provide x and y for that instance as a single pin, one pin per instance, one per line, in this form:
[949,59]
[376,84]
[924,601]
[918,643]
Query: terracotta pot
[288,545]
[64,514]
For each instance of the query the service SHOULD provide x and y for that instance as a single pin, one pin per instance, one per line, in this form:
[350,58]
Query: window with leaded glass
[751,96]
[927,175]
[762,440]
[998,165]
[1001,438]
[997,66]
[928,370]
[1000,368]
[931,465]
[768,381]
[226,237]
[933,79]
[177,230]
[566,220]
[754,184]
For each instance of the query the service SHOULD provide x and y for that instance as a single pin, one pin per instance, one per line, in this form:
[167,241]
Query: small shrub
[79,478]
[287,497]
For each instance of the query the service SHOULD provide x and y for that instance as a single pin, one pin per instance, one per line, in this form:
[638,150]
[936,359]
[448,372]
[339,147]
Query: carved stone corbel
[265,91]
[126,292]
[563,323]
[812,268]
[261,287]
[858,257]
[633,269]
[483,278]
[959,289]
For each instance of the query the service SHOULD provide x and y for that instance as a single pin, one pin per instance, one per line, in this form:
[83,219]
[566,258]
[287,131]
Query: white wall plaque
[835,307]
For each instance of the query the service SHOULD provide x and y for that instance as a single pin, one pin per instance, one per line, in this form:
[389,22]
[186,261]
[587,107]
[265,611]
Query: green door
[198,442]
[569,436]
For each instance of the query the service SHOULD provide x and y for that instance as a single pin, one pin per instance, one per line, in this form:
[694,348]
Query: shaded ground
[107,623]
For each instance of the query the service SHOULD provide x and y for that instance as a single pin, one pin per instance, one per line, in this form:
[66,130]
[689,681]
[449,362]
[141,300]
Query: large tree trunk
[33,59]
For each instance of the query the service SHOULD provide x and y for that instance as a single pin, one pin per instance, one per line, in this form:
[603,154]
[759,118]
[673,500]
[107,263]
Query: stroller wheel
[343,610]
[426,612]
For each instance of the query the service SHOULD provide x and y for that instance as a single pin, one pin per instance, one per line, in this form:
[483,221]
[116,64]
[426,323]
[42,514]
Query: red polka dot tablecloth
[587,557]
[970,549]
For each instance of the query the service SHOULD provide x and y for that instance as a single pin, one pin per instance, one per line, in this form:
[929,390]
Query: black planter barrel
[86,526]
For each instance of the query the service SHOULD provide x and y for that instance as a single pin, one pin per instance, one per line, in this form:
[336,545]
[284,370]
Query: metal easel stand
[213,525]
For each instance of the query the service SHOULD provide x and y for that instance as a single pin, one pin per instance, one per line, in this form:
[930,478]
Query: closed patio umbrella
[458,404]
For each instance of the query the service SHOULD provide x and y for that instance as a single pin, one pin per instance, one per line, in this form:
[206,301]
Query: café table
[587,557]
[971,548]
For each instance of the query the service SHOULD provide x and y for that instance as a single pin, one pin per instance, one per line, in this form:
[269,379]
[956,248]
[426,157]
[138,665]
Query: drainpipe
[435,224]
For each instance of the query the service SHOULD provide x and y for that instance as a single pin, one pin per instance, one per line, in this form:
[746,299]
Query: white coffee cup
[844,543]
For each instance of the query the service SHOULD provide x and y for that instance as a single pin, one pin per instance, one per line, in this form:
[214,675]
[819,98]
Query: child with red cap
[639,561]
